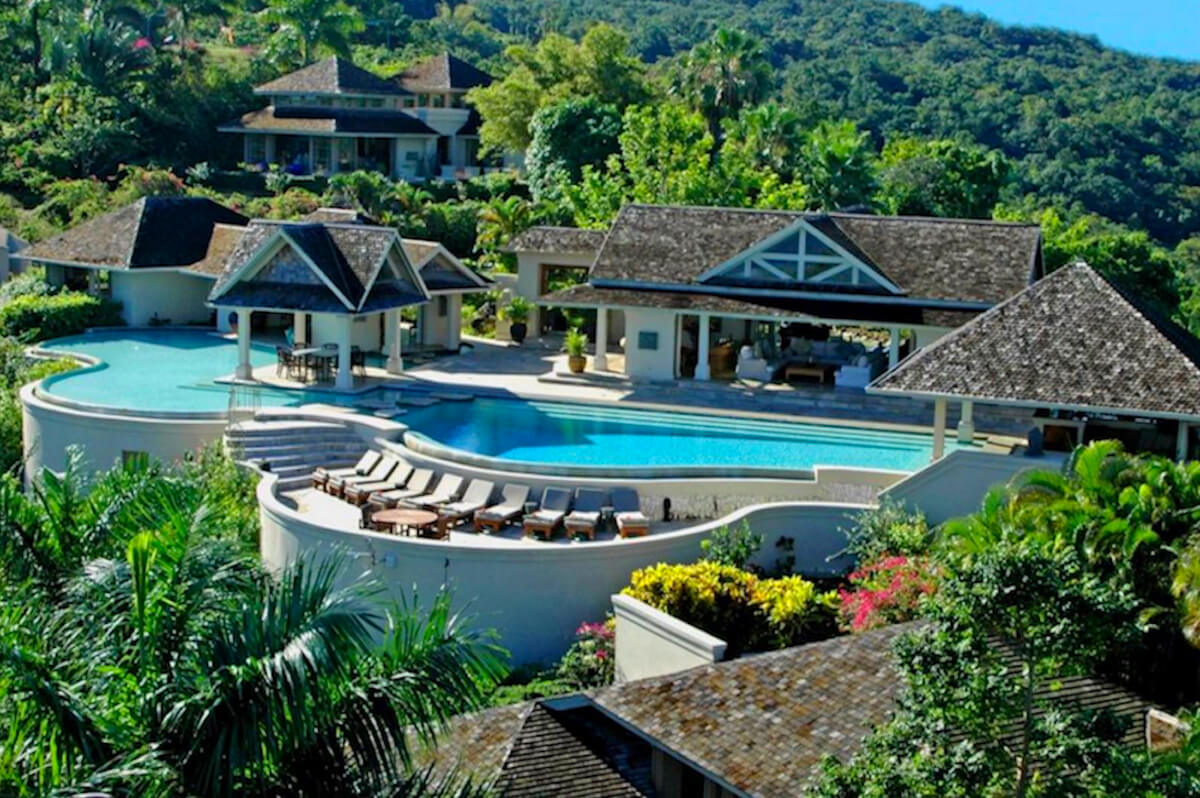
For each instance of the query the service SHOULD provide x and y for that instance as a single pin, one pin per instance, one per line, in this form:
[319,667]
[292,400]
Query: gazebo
[1092,359]
[340,274]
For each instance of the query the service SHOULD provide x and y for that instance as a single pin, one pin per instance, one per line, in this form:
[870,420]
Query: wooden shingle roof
[330,76]
[551,238]
[442,72]
[1073,340]
[300,119]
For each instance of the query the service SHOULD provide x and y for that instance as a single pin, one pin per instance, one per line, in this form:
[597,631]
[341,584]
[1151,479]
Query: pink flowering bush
[589,662]
[886,591]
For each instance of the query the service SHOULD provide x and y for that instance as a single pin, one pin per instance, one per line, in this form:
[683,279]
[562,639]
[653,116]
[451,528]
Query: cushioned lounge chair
[417,484]
[363,466]
[586,515]
[359,493]
[336,486]
[513,499]
[449,489]
[631,521]
[476,497]
[556,503]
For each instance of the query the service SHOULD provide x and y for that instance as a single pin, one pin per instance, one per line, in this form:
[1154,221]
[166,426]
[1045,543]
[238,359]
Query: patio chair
[477,496]
[365,463]
[556,503]
[358,361]
[449,489]
[513,499]
[627,510]
[336,486]
[586,515]
[281,360]
[359,493]
[417,484]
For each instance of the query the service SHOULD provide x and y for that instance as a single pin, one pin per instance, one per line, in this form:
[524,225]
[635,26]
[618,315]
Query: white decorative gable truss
[800,257]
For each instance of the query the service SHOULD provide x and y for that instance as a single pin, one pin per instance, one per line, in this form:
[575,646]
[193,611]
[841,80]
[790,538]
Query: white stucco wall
[531,265]
[650,642]
[442,330]
[365,331]
[172,295]
[650,364]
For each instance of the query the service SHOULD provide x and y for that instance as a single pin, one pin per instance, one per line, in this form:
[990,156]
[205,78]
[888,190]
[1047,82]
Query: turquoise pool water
[602,435]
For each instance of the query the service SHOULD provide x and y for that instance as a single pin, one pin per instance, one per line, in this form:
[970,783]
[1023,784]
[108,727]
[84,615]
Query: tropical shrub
[37,317]
[795,612]
[590,660]
[891,529]
[732,546]
[887,591]
[576,342]
[27,283]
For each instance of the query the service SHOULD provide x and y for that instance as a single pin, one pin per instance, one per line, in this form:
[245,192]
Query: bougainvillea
[589,661]
[886,591]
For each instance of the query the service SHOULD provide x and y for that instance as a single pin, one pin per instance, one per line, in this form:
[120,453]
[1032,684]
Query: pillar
[93,281]
[702,370]
[600,361]
[966,423]
[893,347]
[244,370]
[395,361]
[939,429]
[1181,441]
[300,329]
[345,327]
[454,336]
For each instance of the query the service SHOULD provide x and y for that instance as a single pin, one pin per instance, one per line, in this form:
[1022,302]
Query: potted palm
[576,345]
[516,313]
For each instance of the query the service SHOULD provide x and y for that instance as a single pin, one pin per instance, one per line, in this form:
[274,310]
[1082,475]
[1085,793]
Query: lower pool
[562,433]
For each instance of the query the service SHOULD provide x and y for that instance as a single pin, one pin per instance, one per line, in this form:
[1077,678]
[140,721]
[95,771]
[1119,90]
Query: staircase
[292,447]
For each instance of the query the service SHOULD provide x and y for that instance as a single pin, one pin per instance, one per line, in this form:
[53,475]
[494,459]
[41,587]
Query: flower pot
[576,363]
[517,330]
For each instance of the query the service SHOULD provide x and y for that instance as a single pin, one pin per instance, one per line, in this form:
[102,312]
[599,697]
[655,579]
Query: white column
[395,361]
[939,429]
[345,326]
[702,371]
[244,370]
[966,423]
[300,329]
[893,347]
[600,361]
[454,338]
[1181,441]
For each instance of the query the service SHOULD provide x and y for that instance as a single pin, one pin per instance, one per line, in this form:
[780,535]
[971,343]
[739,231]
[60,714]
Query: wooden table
[323,359]
[819,370]
[404,519]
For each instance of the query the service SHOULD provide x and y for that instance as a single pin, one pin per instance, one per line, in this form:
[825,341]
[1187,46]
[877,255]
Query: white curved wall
[536,595]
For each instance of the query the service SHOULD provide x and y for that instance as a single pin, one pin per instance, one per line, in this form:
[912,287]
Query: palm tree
[723,75]
[501,219]
[315,25]
[103,52]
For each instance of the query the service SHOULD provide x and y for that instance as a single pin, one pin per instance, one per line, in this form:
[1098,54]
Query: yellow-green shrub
[795,612]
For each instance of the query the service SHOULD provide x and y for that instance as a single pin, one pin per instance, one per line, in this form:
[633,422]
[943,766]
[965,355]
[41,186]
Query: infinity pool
[604,435]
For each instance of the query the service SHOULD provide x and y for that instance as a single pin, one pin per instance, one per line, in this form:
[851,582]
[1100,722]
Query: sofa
[856,366]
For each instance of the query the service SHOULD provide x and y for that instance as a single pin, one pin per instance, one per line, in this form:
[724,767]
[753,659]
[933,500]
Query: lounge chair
[362,467]
[359,493]
[556,503]
[449,489]
[477,496]
[418,483]
[627,510]
[511,507]
[336,486]
[586,515]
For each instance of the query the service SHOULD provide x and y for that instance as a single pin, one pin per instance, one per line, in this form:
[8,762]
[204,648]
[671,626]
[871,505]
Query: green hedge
[35,318]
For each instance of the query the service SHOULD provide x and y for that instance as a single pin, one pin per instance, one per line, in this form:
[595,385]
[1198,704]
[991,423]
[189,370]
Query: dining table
[320,358]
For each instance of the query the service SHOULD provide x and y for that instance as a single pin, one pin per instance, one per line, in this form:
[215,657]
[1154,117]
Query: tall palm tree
[315,25]
[501,219]
[721,76]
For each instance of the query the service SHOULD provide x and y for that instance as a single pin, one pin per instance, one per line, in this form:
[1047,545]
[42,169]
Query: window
[648,341]
[423,100]
[375,102]
[437,100]
[408,102]
[322,156]
[256,149]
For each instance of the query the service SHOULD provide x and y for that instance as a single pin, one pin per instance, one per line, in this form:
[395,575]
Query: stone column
[702,370]
[300,329]
[1181,441]
[345,327]
[395,361]
[244,370]
[966,423]
[600,361]
[893,347]
[939,429]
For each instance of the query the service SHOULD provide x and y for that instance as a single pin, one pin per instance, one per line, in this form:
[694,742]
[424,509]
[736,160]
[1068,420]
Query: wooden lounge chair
[418,483]
[627,510]
[449,489]
[358,494]
[586,515]
[336,486]
[556,503]
[362,467]
[511,507]
[477,496]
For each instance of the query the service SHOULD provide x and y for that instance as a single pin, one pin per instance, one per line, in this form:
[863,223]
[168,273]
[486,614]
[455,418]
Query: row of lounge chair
[383,481]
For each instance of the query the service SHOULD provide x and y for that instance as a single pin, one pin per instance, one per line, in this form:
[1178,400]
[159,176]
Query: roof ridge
[1176,334]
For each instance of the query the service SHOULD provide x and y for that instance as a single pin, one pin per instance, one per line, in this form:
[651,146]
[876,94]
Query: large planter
[517,330]
[576,363]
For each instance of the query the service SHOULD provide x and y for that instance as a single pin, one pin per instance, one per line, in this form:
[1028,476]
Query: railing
[244,402]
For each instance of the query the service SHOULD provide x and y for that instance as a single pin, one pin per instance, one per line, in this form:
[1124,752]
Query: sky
[1168,28]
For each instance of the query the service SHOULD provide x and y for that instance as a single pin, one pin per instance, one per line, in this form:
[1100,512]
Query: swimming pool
[571,434]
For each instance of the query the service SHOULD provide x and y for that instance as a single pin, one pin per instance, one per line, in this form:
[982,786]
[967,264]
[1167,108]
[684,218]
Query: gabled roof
[150,232]
[1074,340]
[442,72]
[330,76]
[939,260]
[225,238]
[300,119]
[441,270]
[551,238]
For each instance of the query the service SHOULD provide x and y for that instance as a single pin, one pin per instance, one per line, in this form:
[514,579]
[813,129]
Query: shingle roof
[330,76]
[934,259]
[439,269]
[1072,340]
[548,238]
[153,231]
[225,238]
[442,72]
[340,215]
[296,119]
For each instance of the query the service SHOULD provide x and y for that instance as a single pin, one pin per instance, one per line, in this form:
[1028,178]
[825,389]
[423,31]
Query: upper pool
[571,434]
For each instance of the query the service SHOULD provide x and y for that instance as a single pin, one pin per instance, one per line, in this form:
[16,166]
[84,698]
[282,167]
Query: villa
[332,116]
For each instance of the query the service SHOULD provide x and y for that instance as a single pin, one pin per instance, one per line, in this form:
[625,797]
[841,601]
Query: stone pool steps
[294,447]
